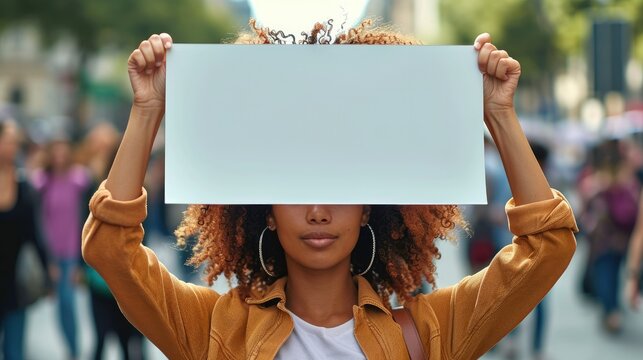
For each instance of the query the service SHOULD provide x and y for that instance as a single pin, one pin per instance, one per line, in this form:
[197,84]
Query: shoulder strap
[414,345]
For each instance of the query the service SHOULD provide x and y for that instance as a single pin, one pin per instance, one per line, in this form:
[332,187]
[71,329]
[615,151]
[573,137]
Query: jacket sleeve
[173,314]
[478,311]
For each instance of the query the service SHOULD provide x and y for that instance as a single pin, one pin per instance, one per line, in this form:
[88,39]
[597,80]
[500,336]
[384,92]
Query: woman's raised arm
[501,73]
[173,314]
[146,68]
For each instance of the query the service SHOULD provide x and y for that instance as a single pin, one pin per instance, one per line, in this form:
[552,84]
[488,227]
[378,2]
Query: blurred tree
[518,25]
[573,21]
[632,10]
[116,25]
[539,33]
[123,23]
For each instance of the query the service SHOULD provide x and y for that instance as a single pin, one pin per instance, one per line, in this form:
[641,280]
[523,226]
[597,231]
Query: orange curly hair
[227,235]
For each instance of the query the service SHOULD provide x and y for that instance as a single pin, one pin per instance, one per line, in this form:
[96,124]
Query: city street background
[65,92]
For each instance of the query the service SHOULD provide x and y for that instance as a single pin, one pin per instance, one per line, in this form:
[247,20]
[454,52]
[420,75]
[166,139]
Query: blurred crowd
[45,187]
[50,165]
[62,70]
[44,191]
[604,185]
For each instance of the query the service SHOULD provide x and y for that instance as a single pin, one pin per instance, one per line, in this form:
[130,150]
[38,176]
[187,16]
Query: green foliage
[573,20]
[572,23]
[539,33]
[632,10]
[123,23]
[516,25]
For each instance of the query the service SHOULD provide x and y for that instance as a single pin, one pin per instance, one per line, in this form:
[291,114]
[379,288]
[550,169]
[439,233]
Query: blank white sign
[324,124]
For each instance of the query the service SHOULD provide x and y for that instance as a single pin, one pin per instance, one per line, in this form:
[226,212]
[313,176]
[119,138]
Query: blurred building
[418,17]
[32,78]
[41,81]
[38,81]
[54,89]
[609,52]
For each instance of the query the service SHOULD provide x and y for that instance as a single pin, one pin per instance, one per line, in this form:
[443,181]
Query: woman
[62,187]
[18,227]
[332,302]
[97,152]
[609,220]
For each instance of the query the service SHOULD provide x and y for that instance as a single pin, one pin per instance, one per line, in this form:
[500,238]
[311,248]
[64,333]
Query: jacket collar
[365,294]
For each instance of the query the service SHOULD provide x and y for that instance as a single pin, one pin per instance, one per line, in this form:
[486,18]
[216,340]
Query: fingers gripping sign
[501,73]
[146,68]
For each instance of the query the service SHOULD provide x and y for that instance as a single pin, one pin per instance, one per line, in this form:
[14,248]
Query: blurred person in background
[491,234]
[108,319]
[18,227]
[633,268]
[540,312]
[490,229]
[98,148]
[97,153]
[634,280]
[609,218]
[163,218]
[62,186]
[587,186]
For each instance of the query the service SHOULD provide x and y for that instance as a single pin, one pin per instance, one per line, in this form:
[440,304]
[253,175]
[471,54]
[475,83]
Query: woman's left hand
[501,74]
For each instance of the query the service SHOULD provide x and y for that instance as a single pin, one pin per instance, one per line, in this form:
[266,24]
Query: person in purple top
[62,187]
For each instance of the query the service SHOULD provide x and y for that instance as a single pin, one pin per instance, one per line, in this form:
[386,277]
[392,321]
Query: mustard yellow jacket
[463,321]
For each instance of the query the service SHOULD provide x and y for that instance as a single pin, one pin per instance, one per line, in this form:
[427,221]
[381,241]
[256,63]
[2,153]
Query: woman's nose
[318,214]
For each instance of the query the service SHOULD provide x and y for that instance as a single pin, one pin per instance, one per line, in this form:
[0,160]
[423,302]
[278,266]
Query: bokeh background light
[293,16]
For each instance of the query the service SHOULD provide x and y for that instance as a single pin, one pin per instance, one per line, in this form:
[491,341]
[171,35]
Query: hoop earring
[263,264]
[372,255]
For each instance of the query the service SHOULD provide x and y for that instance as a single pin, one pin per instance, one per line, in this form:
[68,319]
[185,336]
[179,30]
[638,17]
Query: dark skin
[319,288]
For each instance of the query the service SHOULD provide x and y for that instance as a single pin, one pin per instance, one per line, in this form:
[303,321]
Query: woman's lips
[319,240]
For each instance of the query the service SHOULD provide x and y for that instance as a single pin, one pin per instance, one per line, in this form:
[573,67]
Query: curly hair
[227,235]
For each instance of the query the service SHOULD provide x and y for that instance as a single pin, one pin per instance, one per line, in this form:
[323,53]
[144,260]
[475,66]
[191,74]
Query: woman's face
[60,153]
[318,237]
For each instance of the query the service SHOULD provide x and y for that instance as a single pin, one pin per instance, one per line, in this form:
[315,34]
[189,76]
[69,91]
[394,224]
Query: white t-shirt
[308,341]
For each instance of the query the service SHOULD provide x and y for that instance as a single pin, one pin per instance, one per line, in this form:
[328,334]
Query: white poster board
[323,124]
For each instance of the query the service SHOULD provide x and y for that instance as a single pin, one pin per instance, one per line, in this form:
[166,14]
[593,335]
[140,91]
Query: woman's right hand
[146,68]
